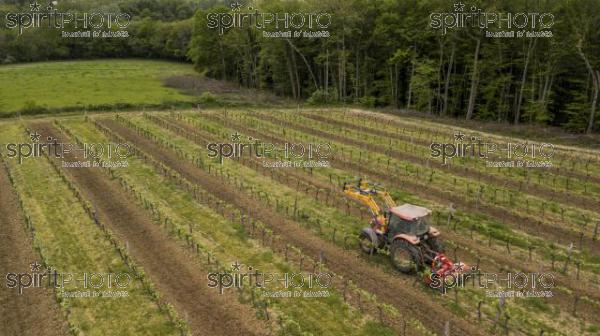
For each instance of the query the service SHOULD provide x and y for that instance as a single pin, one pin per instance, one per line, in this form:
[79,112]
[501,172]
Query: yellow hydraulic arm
[364,194]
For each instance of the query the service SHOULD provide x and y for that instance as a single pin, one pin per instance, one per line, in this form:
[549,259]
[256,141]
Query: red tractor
[404,230]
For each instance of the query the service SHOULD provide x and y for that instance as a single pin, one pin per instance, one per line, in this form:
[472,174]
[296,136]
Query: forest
[380,53]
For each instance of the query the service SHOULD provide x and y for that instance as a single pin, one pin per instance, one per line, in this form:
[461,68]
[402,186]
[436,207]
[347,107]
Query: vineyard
[173,214]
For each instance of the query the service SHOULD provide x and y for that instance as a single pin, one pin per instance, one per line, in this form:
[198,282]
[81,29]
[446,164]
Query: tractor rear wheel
[405,257]
[366,244]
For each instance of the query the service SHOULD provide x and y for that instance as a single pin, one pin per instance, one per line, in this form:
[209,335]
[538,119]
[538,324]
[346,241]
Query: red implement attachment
[441,269]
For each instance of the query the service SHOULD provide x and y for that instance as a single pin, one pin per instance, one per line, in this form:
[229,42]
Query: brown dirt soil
[35,311]
[176,273]
[367,276]
[198,84]
[230,91]
[203,138]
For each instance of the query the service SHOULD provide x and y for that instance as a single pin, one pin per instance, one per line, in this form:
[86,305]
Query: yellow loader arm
[366,196]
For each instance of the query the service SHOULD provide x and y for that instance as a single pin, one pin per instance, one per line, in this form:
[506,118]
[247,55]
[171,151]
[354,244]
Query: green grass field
[34,88]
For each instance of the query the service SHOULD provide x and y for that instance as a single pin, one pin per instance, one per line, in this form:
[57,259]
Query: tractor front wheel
[405,257]
[366,244]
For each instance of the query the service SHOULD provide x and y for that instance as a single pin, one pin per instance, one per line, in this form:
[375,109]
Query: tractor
[404,230]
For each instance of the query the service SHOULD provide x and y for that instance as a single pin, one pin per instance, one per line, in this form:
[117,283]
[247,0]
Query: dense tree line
[384,53]
[379,53]
[159,29]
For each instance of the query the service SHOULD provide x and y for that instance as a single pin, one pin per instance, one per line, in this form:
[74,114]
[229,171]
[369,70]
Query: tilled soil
[177,275]
[35,311]
[389,289]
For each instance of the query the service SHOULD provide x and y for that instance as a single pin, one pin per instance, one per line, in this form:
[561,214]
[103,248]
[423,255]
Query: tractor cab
[408,219]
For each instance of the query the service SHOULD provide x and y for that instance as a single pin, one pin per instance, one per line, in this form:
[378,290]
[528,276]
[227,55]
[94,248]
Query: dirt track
[388,288]
[36,309]
[175,272]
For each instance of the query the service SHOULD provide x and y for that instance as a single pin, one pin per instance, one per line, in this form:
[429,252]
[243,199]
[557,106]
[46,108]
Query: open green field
[55,86]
